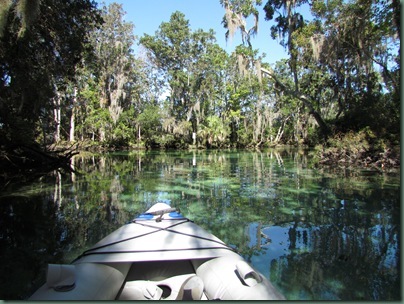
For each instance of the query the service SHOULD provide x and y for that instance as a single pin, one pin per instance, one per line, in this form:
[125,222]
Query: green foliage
[62,69]
[113,49]
[343,148]
[236,13]
[150,123]
[215,133]
[34,55]
[123,131]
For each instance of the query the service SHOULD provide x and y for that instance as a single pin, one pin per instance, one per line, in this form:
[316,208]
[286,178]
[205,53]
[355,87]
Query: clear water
[325,234]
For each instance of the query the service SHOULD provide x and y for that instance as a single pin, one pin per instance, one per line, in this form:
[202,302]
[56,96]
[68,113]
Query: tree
[240,94]
[34,55]
[208,78]
[360,48]
[150,121]
[236,13]
[214,133]
[288,22]
[249,65]
[26,11]
[113,43]
[41,45]
[170,50]
[183,58]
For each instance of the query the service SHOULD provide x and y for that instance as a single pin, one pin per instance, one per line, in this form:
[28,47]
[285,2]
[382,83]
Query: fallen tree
[23,162]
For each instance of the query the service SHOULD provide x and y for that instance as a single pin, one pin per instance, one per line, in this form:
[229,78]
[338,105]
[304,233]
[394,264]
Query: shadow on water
[316,234]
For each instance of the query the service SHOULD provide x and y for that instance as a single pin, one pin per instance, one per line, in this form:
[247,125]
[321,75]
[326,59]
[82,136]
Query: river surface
[317,234]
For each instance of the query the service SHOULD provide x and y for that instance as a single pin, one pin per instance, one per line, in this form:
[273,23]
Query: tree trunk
[72,126]
[102,134]
[57,115]
[280,130]
[139,138]
[72,118]
[257,122]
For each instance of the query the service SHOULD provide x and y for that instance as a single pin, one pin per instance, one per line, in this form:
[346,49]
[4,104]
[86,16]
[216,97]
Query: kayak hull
[159,255]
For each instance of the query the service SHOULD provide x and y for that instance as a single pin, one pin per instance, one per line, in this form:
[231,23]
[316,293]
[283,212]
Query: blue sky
[147,15]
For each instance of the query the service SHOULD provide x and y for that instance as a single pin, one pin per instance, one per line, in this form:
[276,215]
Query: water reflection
[316,234]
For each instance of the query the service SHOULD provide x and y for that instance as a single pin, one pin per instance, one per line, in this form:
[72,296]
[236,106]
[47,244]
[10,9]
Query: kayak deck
[159,255]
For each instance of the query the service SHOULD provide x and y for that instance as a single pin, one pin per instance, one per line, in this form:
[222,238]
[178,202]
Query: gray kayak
[160,255]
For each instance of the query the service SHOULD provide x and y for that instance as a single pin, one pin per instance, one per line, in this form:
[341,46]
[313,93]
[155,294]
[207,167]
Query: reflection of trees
[349,255]
[57,196]
[55,224]
[31,232]
[332,238]
[342,266]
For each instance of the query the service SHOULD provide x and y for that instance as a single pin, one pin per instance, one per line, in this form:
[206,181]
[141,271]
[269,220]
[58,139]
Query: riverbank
[350,150]
[361,149]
